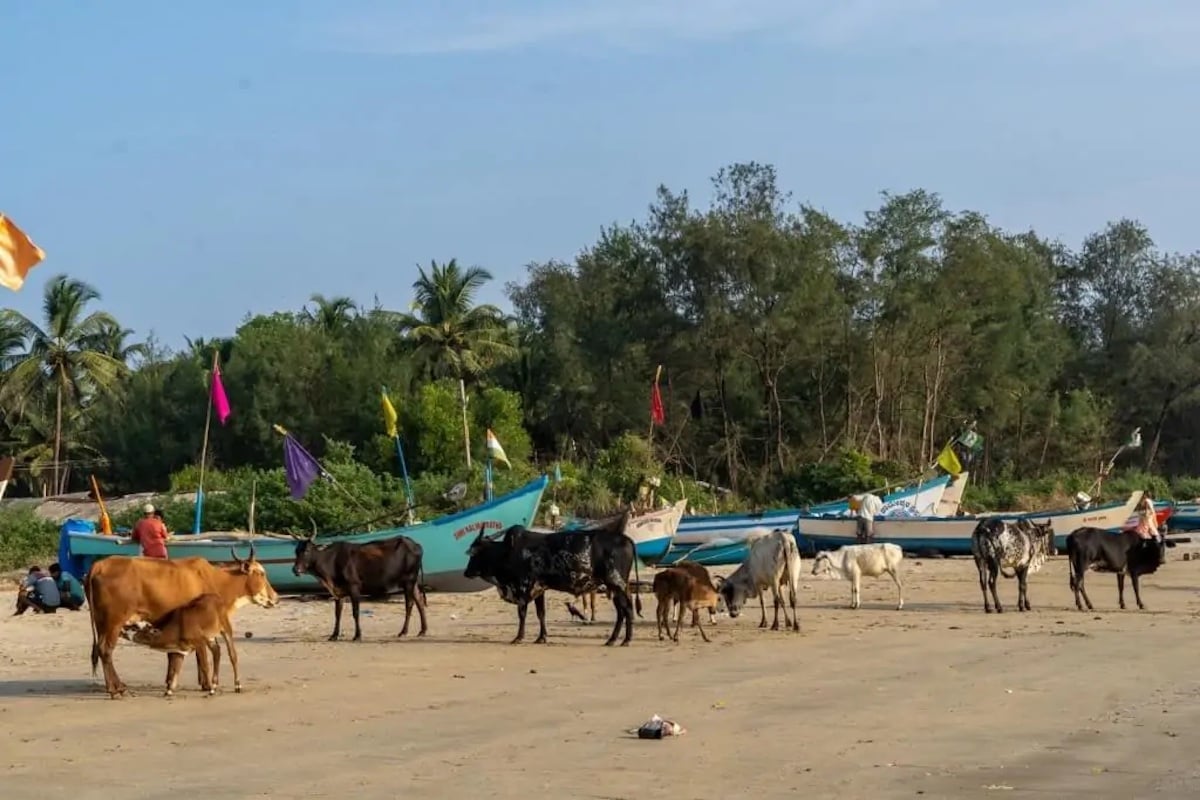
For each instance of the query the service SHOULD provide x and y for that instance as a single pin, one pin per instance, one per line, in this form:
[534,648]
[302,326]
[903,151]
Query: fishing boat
[444,540]
[1186,516]
[952,535]
[654,531]
[651,531]
[722,536]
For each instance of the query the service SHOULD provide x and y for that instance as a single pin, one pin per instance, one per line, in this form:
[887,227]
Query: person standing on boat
[865,507]
[150,533]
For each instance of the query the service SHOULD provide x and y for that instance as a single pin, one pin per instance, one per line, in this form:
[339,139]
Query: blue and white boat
[445,541]
[951,536]
[720,539]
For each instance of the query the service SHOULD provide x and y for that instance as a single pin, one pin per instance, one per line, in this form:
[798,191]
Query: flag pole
[282,431]
[408,493]
[487,480]
[462,392]
[204,448]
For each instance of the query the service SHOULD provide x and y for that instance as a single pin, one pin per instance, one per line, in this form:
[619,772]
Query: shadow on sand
[52,687]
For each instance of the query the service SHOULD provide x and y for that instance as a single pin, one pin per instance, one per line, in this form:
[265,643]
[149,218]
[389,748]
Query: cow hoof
[401,634]
[332,638]
[168,693]
[625,643]
[540,640]
[421,635]
[237,688]
[517,640]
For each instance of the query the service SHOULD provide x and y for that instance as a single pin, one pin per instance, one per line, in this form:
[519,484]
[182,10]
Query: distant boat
[651,531]
[445,541]
[952,535]
[722,536]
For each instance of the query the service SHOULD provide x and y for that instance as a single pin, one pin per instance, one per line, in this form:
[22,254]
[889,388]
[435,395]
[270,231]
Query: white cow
[853,561]
[772,563]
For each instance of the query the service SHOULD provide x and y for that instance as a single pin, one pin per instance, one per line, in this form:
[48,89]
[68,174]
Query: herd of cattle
[184,606]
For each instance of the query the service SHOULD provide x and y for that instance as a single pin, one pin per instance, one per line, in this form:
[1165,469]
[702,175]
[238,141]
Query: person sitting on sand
[150,533]
[39,592]
[69,589]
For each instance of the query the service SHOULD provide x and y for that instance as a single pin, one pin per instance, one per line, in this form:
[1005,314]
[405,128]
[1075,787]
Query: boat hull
[444,542]
[653,532]
[701,529]
[951,536]
[722,536]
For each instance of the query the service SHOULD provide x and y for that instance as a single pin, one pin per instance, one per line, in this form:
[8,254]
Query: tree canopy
[802,354]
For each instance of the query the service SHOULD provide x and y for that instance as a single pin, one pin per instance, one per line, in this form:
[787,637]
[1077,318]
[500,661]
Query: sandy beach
[937,700]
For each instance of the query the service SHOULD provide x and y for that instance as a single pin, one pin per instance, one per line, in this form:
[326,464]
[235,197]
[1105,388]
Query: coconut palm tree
[114,340]
[64,359]
[331,314]
[450,333]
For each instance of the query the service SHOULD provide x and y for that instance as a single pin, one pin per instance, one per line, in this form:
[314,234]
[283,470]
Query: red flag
[657,415]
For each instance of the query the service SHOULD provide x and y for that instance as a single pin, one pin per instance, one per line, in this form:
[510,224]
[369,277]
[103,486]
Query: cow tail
[87,595]
[637,580]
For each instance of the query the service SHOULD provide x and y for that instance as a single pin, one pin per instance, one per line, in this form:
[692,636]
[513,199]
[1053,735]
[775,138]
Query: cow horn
[313,537]
[252,554]
[236,560]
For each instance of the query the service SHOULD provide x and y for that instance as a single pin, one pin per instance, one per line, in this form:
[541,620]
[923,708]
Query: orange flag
[18,254]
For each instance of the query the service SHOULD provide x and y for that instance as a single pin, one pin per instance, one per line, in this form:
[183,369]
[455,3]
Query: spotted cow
[524,564]
[1010,548]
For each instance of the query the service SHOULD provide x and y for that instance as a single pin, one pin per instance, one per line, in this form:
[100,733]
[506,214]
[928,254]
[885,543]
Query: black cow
[372,570]
[1012,548]
[524,564]
[1123,553]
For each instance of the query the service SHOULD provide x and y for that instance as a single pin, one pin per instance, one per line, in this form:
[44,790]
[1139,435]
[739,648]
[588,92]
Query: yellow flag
[497,452]
[18,254]
[948,460]
[389,416]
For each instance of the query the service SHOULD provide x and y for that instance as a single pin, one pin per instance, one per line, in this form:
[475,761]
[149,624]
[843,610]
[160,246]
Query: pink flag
[219,400]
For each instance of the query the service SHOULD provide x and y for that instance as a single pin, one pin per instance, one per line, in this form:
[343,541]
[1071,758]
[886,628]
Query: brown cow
[122,589]
[191,628]
[676,585]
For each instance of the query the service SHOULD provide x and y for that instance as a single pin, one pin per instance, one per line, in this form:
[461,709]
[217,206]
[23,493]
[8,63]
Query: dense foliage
[804,356]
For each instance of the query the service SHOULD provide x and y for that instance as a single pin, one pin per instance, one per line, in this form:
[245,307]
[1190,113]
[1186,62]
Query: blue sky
[198,162]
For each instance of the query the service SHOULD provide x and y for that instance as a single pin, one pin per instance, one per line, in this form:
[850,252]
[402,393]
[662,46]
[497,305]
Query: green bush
[25,539]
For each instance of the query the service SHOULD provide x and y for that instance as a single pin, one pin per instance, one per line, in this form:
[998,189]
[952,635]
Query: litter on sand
[658,728]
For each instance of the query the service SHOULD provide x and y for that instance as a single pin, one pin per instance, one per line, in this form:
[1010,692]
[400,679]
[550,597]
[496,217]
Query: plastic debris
[658,728]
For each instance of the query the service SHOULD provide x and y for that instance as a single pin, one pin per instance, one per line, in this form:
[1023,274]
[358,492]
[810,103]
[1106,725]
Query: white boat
[923,496]
[654,531]
[952,535]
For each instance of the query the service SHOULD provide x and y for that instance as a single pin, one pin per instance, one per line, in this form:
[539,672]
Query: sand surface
[937,700]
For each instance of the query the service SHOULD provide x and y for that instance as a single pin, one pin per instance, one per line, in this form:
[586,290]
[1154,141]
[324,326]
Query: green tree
[449,333]
[65,358]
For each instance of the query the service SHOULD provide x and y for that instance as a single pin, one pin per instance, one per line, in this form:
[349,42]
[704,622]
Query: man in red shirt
[150,533]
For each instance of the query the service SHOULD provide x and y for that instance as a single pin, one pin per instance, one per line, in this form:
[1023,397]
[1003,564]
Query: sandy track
[937,700]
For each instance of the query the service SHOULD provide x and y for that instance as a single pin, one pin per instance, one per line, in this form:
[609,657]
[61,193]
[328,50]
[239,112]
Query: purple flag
[300,467]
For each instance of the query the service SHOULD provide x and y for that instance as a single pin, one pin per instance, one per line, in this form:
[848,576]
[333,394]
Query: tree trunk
[58,437]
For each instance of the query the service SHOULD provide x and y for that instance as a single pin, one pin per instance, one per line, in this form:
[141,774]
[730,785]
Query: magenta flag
[219,400]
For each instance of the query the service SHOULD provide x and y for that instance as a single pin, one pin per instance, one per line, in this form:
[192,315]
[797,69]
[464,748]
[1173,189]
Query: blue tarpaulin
[75,565]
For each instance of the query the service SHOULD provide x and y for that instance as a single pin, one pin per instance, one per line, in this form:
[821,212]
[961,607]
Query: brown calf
[121,590]
[679,585]
[191,628]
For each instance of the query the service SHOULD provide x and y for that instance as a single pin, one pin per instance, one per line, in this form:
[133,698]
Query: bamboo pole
[462,392]
[204,446]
